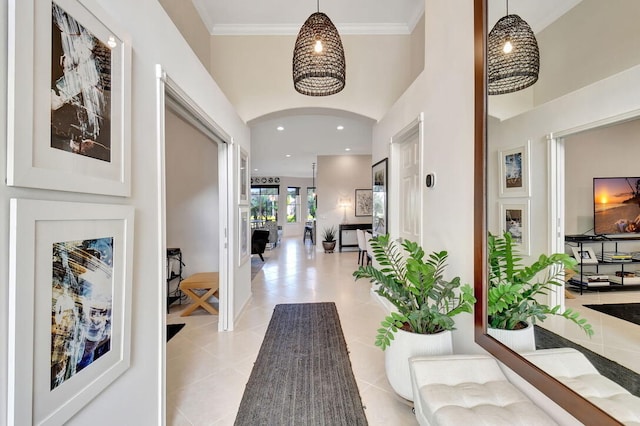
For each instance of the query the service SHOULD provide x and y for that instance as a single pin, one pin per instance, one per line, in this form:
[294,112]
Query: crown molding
[343,29]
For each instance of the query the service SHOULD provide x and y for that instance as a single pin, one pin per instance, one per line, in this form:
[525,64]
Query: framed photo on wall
[379,197]
[514,218]
[514,171]
[70,271]
[244,232]
[243,176]
[364,202]
[69,92]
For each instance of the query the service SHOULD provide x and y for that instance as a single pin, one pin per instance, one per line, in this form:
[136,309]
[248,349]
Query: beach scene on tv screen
[616,203]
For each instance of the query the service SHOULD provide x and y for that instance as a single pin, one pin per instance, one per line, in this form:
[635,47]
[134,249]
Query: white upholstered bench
[469,390]
[575,371]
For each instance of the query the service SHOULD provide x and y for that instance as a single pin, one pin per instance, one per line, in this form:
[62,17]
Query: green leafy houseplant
[512,291]
[329,234]
[425,301]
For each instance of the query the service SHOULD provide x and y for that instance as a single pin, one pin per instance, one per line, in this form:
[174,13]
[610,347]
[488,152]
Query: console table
[350,227]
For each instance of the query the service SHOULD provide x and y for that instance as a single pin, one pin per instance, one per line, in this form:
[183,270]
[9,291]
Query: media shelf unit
[600,266]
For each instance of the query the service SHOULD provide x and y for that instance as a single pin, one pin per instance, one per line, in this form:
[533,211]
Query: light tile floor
[207,370]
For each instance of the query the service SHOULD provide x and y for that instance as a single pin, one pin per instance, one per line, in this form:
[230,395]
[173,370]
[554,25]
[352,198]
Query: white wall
[443,92]
[186,18]
[135,398]
[259,81]
[338,177]
[611,151]
[613,96]
[192,196]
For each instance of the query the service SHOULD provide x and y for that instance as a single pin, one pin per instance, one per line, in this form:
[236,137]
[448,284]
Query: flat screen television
[616,205]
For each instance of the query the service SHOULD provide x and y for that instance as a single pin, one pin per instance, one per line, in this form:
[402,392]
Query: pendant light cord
[318,5]
[507,7]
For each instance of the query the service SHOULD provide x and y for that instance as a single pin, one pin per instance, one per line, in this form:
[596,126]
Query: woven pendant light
[513,56]
[318,58]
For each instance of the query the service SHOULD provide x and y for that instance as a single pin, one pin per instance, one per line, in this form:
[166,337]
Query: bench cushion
[469,390]
[573,369]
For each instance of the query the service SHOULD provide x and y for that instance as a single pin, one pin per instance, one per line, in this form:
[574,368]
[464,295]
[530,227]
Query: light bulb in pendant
[508,47]
[318,46]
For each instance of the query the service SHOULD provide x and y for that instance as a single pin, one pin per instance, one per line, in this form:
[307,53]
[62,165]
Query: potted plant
[426,304]
[329,239]
[514,292]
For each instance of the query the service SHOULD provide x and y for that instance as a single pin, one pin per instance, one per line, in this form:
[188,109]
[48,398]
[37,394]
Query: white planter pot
[523,340]
[404,346]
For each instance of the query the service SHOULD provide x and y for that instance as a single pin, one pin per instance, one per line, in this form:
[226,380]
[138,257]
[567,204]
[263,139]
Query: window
[264,203]
[311,203]
[293,204]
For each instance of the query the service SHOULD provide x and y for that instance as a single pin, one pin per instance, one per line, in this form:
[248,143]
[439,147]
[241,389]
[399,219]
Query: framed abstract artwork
[514,172]
[363,202]
[243,176]
[379,197]
[69,96]
[514,218]
[70,277]
[244,231]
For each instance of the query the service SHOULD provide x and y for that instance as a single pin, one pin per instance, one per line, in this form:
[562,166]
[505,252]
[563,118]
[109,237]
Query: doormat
[172,330]
[626,311]
[302,375]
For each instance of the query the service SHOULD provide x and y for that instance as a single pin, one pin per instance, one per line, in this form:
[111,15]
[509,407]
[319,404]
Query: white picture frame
[244,233]
[514,171]
[243,176]
[584,255]
[64,136]
[70,271]
[515,219]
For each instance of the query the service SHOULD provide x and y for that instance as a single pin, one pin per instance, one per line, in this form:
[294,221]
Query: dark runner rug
[302,375]
[172,330]
[628,379]
[626,311]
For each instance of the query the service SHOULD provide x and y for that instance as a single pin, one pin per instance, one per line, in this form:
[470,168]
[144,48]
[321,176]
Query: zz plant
[513,289]
[426,303]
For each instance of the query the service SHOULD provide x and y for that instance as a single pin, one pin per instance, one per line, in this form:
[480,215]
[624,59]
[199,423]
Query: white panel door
[409,179]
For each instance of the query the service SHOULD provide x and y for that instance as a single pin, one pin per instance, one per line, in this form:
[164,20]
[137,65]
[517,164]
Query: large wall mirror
[589,82]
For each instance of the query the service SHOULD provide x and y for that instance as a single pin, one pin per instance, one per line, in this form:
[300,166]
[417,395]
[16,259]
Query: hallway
[207,370]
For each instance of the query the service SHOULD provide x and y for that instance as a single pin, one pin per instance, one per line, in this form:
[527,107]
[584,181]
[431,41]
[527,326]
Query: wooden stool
[204,281]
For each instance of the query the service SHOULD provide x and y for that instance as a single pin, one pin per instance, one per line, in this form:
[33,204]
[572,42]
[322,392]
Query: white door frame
[167,88]
[416,126]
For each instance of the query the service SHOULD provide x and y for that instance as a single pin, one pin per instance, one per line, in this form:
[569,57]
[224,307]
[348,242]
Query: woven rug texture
[628,379]
[302,375]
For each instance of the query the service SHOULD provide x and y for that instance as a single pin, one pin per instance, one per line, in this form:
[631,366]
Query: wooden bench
[200,281]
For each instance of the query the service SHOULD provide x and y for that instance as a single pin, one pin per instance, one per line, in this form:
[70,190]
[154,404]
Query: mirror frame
[566,398]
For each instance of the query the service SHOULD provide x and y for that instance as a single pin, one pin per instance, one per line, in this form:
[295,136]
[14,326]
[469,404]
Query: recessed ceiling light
[280,128]
[255,170]
[288,155]
[340,127]
[347,149]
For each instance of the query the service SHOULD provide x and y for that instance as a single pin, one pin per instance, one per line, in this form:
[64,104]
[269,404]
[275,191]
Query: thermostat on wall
[430,180]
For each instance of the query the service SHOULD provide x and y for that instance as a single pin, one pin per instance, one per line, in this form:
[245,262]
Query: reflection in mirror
[577,123]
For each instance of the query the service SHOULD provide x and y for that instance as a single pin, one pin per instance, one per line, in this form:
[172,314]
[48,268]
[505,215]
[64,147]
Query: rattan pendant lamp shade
[515,70]
[319,67]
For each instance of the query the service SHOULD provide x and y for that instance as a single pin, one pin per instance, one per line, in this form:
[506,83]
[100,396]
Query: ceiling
[309,133]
